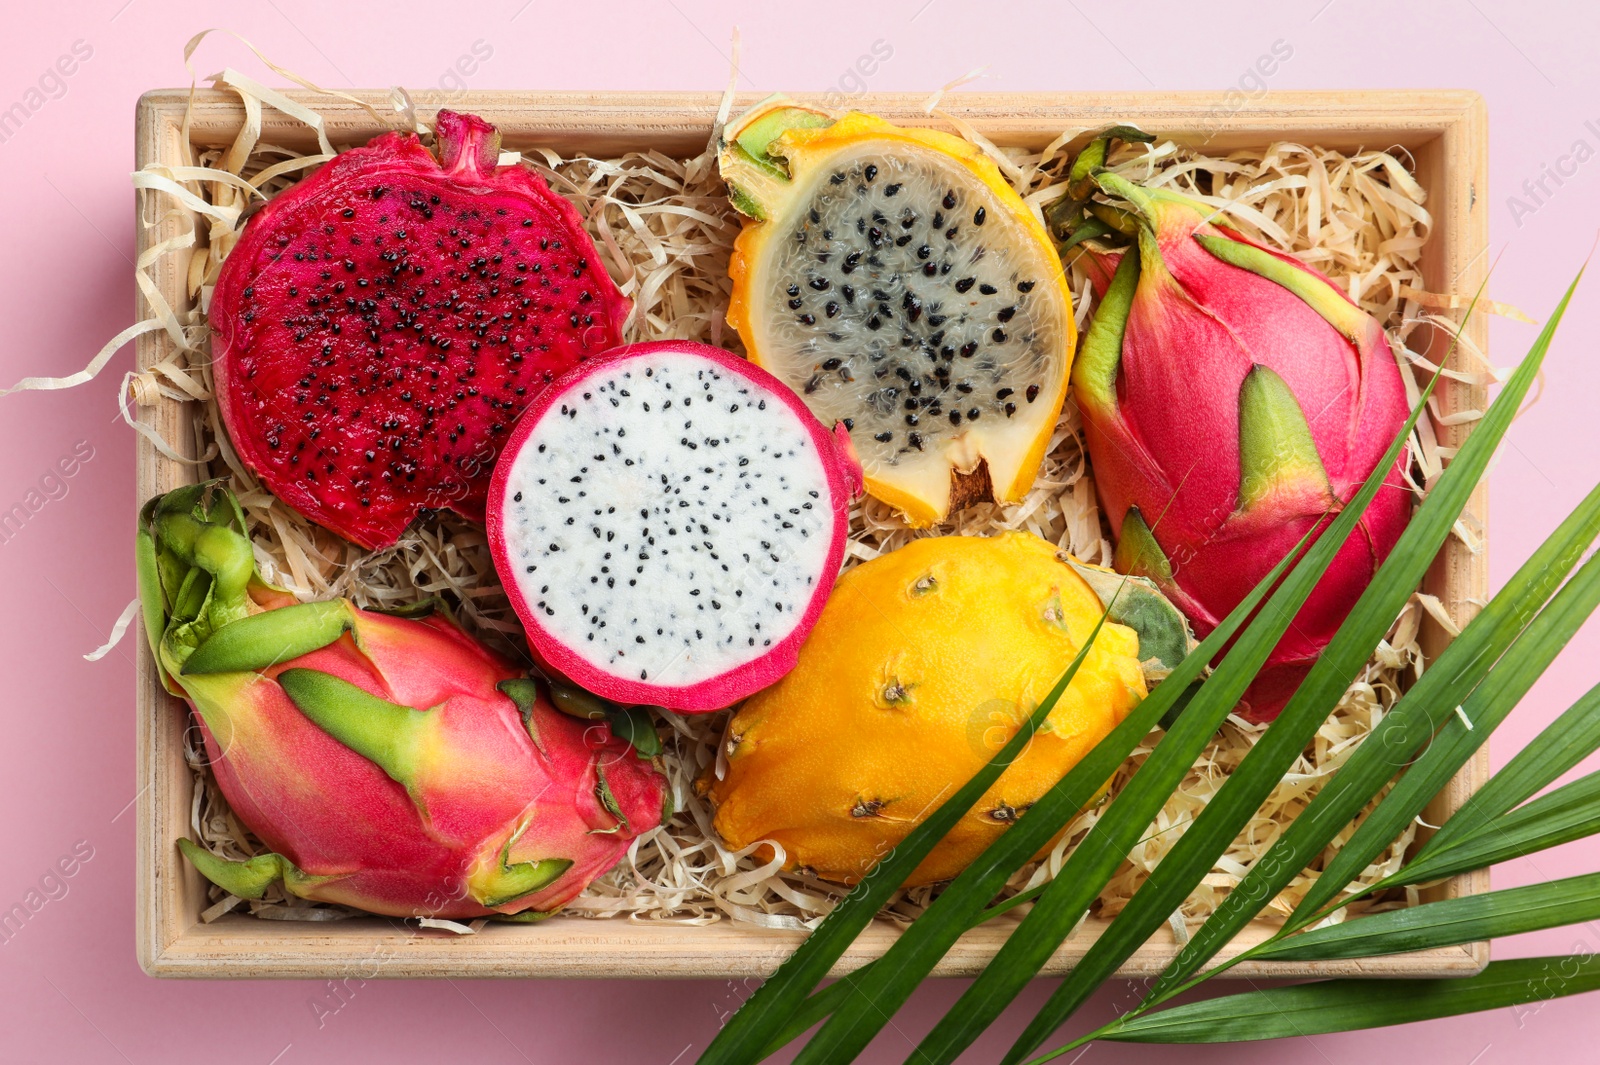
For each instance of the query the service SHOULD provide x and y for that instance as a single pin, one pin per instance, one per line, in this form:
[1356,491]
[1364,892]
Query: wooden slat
[577,947]
[1445,134]
[1455,171]
[168,889]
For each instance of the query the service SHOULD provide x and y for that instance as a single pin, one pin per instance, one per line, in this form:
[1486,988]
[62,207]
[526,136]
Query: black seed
[965,283]
[911,419]
[969,349]
[793,290]
[1006,314]
[1024,286]
[964,387]
[811,319]
[978,216]
[949,200]
[987,290]
[819,284]
[915,440]
[1003,393]
[831,310]
[955,417]
[848,293]
[924,251]
[1033,393]
[998,336]
[796,303]
[972,415]
[883,438]
[890,190]
[1010,408]
[869,172]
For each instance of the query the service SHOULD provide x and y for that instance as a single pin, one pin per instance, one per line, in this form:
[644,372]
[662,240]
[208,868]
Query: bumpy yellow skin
[924,663]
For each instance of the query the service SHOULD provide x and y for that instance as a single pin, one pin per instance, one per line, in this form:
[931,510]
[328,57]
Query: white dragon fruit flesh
[668,520]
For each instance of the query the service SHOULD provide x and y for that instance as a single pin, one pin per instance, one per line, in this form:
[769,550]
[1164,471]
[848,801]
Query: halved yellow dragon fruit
[895,281]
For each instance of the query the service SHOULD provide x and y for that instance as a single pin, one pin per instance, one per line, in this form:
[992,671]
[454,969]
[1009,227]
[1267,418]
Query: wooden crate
[1444,132]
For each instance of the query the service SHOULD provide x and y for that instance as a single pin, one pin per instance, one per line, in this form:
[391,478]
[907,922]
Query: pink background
[70,990]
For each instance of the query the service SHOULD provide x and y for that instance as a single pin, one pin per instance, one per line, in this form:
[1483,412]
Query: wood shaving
[665,230]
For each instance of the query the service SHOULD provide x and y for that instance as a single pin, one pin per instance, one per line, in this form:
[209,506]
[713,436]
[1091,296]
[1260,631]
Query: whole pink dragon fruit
[1233,399]
[381,324]
[391,763]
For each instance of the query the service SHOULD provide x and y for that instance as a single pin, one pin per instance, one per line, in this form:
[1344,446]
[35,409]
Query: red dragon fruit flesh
[668,522]
[391,763]
[381,324]
[1233,399]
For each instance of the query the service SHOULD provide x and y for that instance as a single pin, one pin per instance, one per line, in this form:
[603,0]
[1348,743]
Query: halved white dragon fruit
[668,520]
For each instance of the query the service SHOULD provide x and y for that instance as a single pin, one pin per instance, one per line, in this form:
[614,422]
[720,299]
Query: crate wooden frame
[1445,134]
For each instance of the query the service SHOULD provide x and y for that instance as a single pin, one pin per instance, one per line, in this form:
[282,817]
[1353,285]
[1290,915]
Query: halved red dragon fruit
[380,326]
[668,522]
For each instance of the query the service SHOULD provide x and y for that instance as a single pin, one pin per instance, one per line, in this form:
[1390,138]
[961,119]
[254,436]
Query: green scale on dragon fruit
[1233,399]
[381,324]
[668,522]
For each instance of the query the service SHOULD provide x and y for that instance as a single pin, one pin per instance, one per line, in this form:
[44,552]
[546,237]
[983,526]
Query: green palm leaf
[1097,857]
[1456,742]
[1346,1005]
[1568,740]
[1429,704]
[1566,814]
[1448,922]
[1220,822]
[827,1000]
[1561,816]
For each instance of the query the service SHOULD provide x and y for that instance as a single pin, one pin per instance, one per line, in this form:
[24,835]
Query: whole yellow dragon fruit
[925,661]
